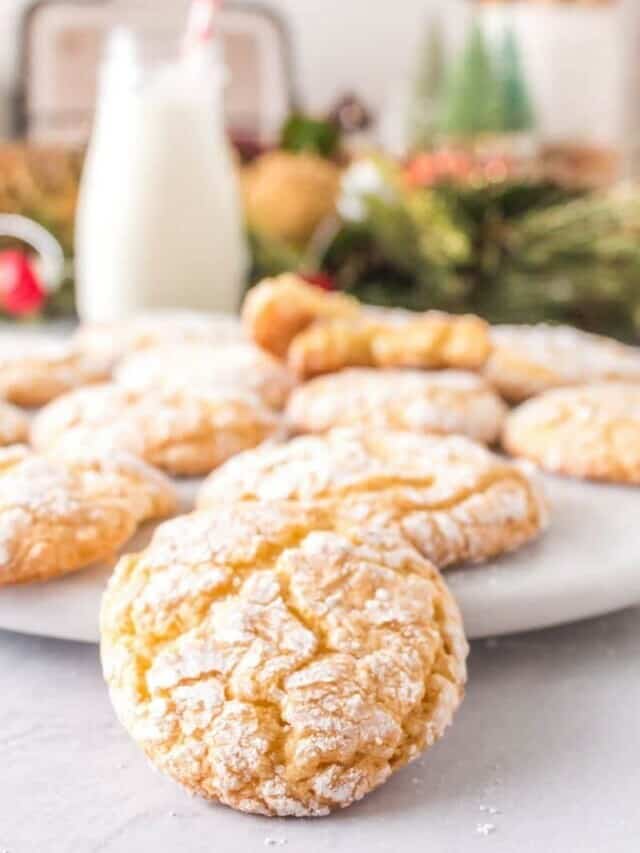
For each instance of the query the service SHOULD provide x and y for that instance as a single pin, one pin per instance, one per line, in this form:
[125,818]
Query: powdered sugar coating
[528,360]
[113,341]
[186,432]
[591,431]
[442,402]
[35,370]
[269,659]
[14,424]
[200,365]
[59,516]
[454,499]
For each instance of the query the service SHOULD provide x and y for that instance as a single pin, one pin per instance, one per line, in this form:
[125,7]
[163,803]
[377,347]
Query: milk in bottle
[159,223]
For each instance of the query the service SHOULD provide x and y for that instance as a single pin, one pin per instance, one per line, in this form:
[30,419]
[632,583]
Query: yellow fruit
[287,195]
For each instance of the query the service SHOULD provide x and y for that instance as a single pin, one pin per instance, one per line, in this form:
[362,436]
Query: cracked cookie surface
[34,370]
[591,432]
[185,432]
[58,516]
[269,657]
[439,402]
[237,366]
[14,424]
[528,360]
[452,498]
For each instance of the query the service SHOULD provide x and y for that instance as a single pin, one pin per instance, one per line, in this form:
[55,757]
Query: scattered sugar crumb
[490,810]
[485,828]
[275,842]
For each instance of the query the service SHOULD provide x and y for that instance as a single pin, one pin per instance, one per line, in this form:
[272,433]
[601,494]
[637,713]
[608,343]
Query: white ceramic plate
[587,563]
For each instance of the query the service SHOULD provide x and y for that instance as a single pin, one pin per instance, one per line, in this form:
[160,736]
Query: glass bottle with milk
[159,223]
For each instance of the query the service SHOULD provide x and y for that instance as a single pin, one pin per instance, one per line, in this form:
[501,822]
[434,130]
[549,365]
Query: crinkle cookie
[266,658]
[58,516]
[451,497]
[438,402]
[318,332]
[591,431]
[187,432]
[34,370]
[238,366]
[430,340]
[528,360]
[113,341]
[277,309]
[14,425]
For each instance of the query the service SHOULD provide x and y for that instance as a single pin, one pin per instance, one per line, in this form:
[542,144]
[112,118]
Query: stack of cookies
[288,645]
[579,411]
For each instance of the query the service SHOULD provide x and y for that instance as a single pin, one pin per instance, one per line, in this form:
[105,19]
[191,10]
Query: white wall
[339,44]
[581,67]
[368,46]
[365,45]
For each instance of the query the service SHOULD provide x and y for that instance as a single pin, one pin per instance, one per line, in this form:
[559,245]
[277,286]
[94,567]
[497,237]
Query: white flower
[360,181]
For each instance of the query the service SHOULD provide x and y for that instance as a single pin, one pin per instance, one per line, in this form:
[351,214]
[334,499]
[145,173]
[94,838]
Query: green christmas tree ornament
[473,97]
[517,111]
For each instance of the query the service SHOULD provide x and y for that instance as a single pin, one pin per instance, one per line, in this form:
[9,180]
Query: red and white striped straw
[202,22]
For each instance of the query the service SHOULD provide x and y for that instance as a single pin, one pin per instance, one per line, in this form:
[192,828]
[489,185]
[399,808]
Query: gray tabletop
[543,756]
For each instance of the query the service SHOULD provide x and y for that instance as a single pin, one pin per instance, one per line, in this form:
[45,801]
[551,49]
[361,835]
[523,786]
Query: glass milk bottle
[159,222]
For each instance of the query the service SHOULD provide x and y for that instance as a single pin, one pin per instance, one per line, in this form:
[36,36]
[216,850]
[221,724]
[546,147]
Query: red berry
[320,279]
[21,291]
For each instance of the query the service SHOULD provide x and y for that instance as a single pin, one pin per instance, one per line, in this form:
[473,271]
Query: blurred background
[464,155]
